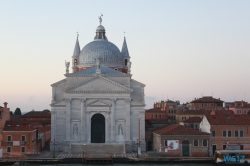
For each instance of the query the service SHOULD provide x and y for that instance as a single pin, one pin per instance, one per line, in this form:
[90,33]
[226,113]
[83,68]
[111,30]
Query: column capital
[67,100]
[83,100]
[113,99]
[128,99]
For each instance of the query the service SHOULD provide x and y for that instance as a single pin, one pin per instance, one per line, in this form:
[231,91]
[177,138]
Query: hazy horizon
[180,49]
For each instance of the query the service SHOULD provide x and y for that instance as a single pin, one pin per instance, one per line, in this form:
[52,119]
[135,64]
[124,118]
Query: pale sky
[180,49]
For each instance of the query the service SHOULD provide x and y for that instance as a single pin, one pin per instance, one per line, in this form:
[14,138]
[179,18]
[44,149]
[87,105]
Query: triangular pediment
[136,103]
[98,84]
[99,103]
[59,103]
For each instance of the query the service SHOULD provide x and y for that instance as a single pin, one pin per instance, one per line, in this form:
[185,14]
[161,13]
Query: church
[98,105]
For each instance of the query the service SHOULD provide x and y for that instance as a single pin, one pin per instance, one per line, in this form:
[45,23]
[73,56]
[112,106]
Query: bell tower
[75,57]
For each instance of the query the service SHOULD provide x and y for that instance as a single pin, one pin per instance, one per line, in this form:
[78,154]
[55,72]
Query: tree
[11,113]
[46,110]
[18,111]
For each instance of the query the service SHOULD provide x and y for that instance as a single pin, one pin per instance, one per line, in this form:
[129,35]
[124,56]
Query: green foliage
[18,111]
[46,110]
[11,113]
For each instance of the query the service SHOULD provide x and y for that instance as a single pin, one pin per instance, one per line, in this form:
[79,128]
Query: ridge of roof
[175,129]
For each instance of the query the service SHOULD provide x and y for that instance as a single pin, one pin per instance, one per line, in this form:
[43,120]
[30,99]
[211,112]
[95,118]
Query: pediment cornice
[72,89]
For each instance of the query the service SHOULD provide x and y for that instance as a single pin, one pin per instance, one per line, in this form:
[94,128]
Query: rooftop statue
[100,19]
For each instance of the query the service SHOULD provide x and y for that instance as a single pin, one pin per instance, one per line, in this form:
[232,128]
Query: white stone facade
[83,94]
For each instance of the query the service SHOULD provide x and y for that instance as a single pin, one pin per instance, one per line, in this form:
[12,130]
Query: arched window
[75,61]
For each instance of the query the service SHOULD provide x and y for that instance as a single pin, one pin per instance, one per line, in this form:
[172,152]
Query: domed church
[98,108]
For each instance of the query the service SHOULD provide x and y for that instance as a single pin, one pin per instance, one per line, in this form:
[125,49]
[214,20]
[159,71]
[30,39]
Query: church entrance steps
[98,148]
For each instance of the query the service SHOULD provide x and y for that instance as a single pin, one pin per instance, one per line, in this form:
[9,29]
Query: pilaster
[53,124]
[127,126]
[68,119]
[83,120]
[88,133]
[112,133]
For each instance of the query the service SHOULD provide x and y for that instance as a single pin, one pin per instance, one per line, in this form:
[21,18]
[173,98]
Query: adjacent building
[206,103]
[238,107]
[231,132]
[18,139]
[4,116]
[43,117]
[176,140]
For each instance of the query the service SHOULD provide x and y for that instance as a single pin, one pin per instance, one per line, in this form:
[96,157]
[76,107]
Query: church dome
[108,52]
[101,48]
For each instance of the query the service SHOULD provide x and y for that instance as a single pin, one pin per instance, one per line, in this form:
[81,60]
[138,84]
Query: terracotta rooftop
[175,129]
[44,129]
[17,126]
[159,121]
[193,120]
[36,114]
[207,99]
[154,110]
[15,117]
[204,112]
[228,119]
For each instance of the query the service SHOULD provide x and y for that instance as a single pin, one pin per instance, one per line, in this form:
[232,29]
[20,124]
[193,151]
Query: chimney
[5,104]
[212,112]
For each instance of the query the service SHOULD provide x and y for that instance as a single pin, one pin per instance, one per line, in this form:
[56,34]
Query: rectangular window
[196,143]
[8,149]
[0,113]
[23,138]
[224,133]
[23,149]
[9,138]
[213,133]
[241,133]
[224,147]
[196,126]
[192,125]
[236,133]
[204,143]
[241,147]
[229,133]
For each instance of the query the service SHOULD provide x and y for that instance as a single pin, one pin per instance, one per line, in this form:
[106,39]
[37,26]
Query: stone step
[98,148]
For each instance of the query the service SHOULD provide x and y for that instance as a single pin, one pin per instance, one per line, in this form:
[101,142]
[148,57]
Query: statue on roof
[100,19]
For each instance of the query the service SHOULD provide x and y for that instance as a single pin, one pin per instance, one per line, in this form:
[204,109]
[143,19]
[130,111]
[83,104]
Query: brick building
[191,142]
[238,107]
[230,131]
[4,116]
[207,103]
[37,116]
[18,139]
[181,116]
[170,107]
[155,113]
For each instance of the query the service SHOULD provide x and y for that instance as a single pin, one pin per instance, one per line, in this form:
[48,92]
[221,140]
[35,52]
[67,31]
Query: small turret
[126,56]
[75,57]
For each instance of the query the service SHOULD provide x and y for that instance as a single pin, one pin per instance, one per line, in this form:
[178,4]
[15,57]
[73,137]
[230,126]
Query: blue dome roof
[108,52]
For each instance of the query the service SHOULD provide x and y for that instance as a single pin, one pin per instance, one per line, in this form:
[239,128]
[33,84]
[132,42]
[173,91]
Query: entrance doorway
[214,148]
[98,128]
[185,148]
